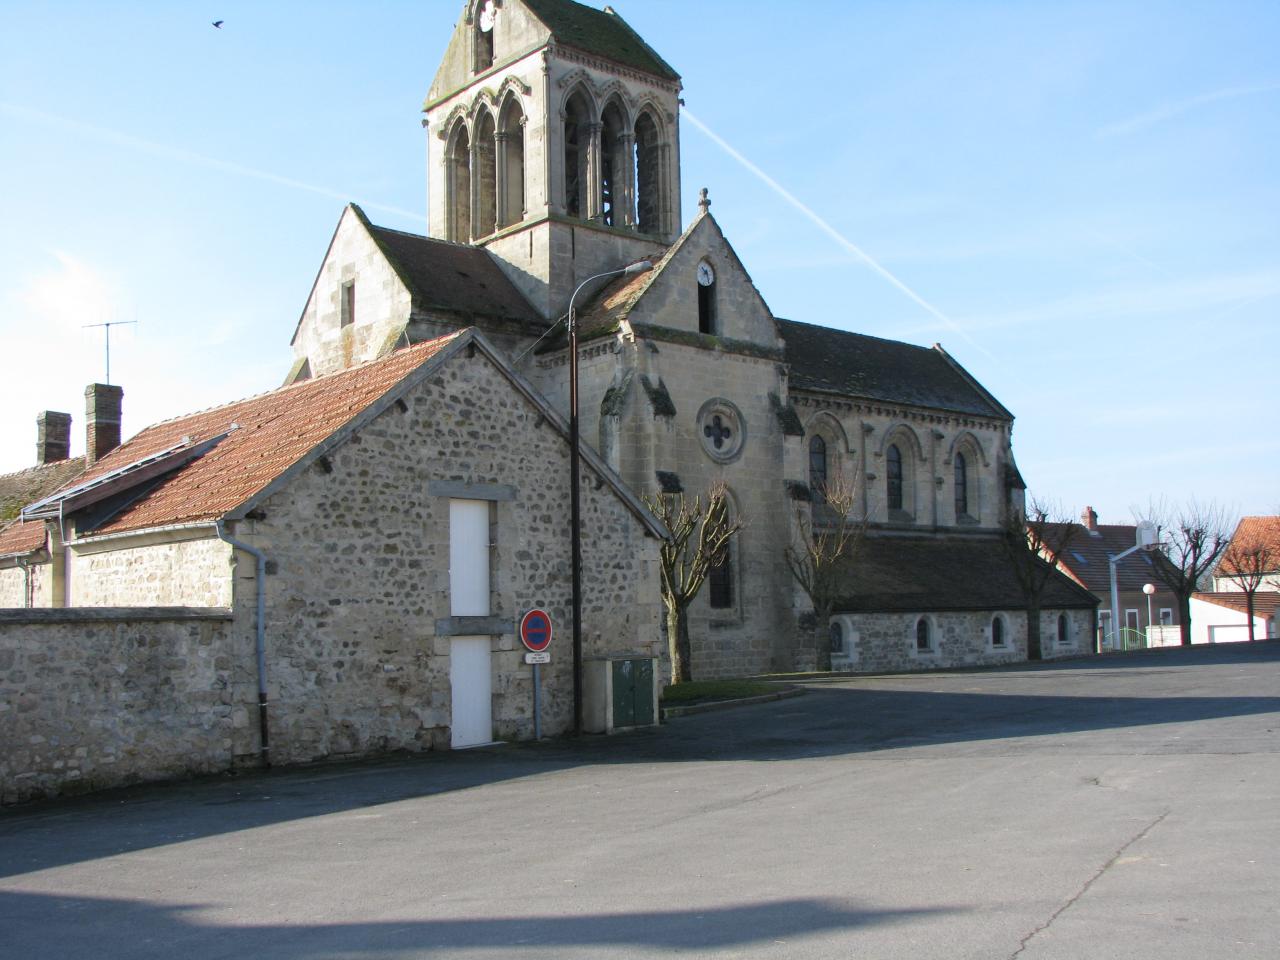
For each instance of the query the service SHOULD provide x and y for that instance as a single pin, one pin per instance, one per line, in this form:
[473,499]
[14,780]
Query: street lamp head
[639,267]
[1148,588]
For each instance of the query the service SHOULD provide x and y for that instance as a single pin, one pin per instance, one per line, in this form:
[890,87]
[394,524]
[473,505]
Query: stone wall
[16,590]
[99,698]
[184,573]
[886,642]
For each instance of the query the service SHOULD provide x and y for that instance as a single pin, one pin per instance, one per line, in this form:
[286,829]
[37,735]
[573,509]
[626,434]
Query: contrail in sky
[186,156]
[832,232]
[1182,106]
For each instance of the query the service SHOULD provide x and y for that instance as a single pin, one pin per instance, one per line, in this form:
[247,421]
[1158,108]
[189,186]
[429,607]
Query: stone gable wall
[361,565]
[95,699]
[382,303]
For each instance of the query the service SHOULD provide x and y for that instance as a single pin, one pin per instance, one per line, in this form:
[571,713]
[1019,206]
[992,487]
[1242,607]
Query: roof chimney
[53,437]
[1090,520]
[102,420]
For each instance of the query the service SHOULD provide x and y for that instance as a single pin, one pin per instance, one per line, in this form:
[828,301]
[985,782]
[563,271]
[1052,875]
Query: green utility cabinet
[620,691]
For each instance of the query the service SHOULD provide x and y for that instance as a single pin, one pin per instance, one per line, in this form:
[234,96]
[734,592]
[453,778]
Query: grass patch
[702,691]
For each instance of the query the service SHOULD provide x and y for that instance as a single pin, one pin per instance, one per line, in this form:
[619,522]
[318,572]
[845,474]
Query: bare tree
[1192,538]
[827,537]
[699,540]
[1247,561]
[1034,543]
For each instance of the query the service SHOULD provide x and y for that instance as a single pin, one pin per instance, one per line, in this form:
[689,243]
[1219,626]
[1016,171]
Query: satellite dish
[1148,535]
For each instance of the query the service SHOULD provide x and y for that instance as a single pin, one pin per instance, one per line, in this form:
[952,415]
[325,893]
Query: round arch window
[721,430]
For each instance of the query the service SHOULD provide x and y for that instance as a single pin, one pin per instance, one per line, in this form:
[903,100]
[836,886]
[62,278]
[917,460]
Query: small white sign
[541,656]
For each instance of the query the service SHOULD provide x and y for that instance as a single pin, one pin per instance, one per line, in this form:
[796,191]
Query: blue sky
[1080,201]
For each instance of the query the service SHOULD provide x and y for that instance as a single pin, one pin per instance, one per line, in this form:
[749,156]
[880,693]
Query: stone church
[554,158]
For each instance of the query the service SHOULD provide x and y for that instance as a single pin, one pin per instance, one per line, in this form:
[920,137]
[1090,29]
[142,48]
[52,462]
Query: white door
[469,679]
[469,558]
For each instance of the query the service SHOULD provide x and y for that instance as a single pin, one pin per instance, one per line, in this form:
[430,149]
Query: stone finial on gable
[704,202]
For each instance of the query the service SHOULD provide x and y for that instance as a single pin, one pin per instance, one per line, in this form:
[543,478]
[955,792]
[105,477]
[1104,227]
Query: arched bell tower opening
[458,184]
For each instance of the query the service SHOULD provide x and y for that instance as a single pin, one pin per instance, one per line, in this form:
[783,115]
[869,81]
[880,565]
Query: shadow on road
[833,719]
[65,926]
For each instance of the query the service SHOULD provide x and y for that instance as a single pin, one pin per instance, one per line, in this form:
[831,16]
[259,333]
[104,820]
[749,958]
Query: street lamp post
[1149,589]
[575,475]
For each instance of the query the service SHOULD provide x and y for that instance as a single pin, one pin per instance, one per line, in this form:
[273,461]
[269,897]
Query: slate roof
[601,32]
[853,364]
[1265,602]
[920,574]
[272,432]
[1086,558]
[1264,531]
[453,277]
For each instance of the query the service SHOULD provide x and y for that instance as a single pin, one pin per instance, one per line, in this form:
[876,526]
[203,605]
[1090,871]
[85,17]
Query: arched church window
[458,169]
[997,632]
[837,637]
[893,476]
[1064,631]
[818,469]
[648,175]
[510,164]
[615,167]
[484,179]
[962,486]
[706,298]
[721,574]
[577,138]
[924,640]
[486,15]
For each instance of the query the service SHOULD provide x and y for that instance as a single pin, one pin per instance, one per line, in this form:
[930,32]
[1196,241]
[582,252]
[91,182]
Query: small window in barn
[924,636]
[997,632]
[1064,631]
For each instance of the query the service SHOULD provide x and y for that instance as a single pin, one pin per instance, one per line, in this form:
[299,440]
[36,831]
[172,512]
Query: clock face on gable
[706,276]
[488,14]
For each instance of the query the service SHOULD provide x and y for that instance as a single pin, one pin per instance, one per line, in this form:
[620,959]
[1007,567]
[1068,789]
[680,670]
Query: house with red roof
[341,565]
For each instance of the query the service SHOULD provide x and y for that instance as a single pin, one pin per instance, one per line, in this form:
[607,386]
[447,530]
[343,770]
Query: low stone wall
[102,697]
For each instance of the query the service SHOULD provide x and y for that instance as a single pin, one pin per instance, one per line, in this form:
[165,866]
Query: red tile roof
[1265,602]
[271,433]
[1263,531]
[18,538]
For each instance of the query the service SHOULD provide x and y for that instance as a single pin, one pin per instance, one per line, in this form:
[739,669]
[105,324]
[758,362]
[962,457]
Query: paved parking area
[1127,807]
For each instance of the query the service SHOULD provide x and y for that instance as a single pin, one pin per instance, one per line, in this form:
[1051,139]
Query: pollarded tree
[1192,538]
[1033,544]
[699,540]
[1247,561]
[827,536]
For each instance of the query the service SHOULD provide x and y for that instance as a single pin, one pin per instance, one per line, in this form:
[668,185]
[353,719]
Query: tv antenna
[107,327]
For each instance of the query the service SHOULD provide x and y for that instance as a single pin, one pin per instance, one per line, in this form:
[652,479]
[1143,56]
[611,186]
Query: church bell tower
[554,143]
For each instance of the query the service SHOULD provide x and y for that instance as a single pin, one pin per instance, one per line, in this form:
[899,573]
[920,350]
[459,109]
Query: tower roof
[601,32]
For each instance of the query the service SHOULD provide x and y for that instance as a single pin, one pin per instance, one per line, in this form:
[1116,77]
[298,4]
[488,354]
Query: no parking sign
[535,630]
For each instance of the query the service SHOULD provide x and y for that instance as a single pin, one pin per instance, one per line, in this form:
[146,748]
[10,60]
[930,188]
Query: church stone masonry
[553,157]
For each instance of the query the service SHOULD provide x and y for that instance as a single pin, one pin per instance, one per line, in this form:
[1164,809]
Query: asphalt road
[1125,808]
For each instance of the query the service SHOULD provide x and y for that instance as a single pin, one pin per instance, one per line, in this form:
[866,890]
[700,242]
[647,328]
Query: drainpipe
[26,582]
[260,643]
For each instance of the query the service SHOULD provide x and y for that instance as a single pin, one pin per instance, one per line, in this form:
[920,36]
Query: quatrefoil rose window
[721,430]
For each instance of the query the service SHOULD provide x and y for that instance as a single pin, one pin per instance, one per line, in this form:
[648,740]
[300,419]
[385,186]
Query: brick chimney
[53,437]
[1090,519]
[102,420]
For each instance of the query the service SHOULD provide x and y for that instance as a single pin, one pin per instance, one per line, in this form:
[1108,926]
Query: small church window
[997,632]
[962,486]
[720,581]
[706,298]
[924,641]
[1064,631]
[893,476]
[837,637]
[818,469]
[347,304]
